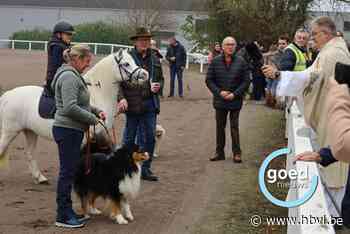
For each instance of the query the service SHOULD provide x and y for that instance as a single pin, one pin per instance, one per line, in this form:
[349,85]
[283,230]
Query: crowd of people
[305,72]
[321,100]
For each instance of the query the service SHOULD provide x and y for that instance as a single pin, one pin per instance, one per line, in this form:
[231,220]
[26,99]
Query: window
[201,25]
[346,26]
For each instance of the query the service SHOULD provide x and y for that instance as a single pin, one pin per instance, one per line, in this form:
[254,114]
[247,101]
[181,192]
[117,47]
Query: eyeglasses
[229,44]
[314,33]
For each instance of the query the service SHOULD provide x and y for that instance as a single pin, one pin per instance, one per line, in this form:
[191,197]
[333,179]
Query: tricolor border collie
[115,177]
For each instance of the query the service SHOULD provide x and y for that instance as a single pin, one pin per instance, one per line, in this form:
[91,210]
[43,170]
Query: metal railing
[191,57]
[299,141]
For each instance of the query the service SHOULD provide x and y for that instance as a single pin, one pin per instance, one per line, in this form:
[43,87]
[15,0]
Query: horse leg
[6,138]
[32,140]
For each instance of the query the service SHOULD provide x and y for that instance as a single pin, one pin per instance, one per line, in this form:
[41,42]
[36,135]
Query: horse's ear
[120,53]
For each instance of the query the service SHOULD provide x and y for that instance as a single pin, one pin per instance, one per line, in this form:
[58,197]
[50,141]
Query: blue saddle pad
[47,106]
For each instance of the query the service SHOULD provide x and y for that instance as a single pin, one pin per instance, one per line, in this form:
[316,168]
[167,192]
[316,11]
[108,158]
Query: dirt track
[181,202]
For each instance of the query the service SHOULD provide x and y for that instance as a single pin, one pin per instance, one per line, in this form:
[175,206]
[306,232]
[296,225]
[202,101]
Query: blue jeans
[176,72]
[272,86]
[68,142]
[140,137]
[145,125]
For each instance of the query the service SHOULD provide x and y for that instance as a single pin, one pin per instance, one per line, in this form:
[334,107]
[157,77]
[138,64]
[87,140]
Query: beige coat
[338,105]
[315,96]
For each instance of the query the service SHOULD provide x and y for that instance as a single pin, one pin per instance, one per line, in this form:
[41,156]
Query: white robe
[315,79]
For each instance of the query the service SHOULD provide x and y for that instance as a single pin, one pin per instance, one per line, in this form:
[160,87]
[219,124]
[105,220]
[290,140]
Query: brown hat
[141,32]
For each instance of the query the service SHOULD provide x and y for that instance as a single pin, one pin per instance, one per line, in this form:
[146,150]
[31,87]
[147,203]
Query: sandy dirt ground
[192,193]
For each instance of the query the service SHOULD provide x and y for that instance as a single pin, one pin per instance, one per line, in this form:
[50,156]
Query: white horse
[19,106]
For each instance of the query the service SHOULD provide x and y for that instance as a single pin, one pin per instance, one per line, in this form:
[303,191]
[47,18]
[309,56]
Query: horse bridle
[129,74]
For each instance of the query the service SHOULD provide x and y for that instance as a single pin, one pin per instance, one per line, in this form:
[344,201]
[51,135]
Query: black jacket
[234,78]
[140,98]
[55,50]
[179,53]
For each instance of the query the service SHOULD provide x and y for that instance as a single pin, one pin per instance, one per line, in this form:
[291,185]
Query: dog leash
[88,141]
[88,153]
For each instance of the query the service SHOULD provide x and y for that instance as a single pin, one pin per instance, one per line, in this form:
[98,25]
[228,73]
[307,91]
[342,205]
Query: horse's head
[129,70]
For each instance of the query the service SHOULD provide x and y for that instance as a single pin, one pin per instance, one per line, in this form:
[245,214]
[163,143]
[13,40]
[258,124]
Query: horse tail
[4,159]
[1,107]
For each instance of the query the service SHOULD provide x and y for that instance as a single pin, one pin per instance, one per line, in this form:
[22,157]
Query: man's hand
[230,97]
[155,87]
[122,106]
[172,59]
[308,157]
[223,94]
[227,95]
[270,71]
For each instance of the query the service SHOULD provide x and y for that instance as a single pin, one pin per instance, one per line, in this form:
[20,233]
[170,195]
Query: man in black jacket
[228,80]
[176,55]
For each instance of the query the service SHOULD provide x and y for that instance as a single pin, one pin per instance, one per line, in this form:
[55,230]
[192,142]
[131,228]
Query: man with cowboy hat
[140,101]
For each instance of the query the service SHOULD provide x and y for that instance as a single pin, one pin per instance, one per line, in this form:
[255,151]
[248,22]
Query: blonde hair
[77,51]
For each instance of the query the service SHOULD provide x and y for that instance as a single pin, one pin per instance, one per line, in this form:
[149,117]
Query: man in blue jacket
[176,55]
[228,80]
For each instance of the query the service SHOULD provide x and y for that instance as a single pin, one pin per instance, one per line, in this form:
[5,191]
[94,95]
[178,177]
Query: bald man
[228,80]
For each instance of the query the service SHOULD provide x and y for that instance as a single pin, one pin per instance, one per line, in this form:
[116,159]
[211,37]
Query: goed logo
[292,175]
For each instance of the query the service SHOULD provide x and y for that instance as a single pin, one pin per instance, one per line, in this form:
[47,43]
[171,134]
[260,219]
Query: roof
[176,5]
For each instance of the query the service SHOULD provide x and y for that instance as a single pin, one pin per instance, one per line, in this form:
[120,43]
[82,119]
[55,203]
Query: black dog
[115,177]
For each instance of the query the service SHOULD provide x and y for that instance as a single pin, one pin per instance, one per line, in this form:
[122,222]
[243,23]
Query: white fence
[191,57]
[299,141]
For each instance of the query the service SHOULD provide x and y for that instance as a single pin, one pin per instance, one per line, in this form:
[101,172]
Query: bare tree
[333,8]
[152,14]
[262,20]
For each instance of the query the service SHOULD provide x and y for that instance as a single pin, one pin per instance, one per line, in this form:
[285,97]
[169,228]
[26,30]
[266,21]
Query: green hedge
[32,35]
[99,32]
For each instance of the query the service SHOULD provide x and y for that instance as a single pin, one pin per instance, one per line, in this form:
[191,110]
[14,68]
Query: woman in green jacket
[74,115]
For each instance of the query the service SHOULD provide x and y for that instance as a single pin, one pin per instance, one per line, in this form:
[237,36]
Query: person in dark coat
[140,101]
[176,55]
[60,41]
[157,53]
[228,80]
[253,56]
[215,52]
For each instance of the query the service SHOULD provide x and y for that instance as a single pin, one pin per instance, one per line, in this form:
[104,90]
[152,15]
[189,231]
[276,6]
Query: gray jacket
[72,100]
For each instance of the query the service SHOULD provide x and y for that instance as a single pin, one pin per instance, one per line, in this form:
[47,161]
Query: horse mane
[100,70]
